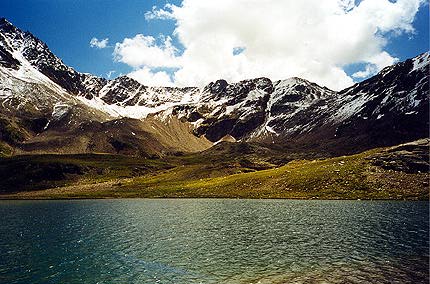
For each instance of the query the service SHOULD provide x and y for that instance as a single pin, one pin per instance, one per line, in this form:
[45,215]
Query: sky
[193,42]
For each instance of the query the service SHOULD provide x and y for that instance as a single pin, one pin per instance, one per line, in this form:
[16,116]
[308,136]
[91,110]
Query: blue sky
[67,26]
[407,45]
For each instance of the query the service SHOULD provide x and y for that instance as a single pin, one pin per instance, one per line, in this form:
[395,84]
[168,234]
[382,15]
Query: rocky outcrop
[410,157]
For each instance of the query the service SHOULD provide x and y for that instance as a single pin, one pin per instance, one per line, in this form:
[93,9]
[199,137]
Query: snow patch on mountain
[353,104]
[132,111]
[36,78]
[421,61]
[60,111]
[289,98]
[30,74]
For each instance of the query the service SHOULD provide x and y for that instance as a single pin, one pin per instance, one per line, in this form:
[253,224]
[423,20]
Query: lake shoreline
[14,198]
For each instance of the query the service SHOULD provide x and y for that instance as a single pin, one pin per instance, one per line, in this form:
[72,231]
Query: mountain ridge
[36,83]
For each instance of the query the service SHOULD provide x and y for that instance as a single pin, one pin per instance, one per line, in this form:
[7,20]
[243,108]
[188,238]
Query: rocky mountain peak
[7,27]
[4,24]
[250,110]
[217,87]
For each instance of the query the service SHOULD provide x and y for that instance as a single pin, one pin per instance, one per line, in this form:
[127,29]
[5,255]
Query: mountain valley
[66,134]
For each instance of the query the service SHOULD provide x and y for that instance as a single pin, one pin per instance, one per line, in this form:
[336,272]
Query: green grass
[349,177]
[35,172]
[338,178]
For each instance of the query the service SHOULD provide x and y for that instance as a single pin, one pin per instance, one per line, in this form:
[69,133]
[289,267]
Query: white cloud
[147,77]
[99,43]
[313,39]
[144,51]
[376,63]
[160,14]
[368,71]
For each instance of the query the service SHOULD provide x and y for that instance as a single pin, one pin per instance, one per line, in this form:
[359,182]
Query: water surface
[214,241]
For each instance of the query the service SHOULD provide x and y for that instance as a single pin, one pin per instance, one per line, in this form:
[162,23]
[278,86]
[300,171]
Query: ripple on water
[214,241]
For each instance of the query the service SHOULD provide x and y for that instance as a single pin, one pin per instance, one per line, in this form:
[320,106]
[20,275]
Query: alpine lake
[214,241]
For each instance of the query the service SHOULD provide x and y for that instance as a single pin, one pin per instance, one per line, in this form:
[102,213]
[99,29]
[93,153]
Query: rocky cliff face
[389,106]
[37,88]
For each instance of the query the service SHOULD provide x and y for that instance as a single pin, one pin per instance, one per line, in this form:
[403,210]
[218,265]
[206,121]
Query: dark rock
[410,158]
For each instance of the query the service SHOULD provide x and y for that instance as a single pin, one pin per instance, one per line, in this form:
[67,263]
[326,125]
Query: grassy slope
[349,177]
[36,172]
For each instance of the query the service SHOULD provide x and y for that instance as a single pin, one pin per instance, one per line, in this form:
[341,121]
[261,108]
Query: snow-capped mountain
[41,96]
[26,48]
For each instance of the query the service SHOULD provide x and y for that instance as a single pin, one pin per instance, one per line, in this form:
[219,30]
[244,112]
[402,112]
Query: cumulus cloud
[376,63]
[147,77]
[312,39]
[143,51]
[96,43]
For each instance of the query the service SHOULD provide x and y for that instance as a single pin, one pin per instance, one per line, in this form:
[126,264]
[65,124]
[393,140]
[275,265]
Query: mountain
[48,107]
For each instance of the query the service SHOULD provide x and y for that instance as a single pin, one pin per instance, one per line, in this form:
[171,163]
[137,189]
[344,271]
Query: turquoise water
[214,241]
